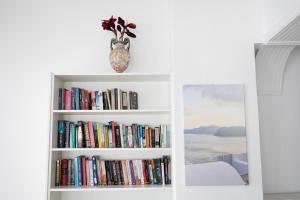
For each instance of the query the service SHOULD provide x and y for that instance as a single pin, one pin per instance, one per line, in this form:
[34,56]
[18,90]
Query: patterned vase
[119,56]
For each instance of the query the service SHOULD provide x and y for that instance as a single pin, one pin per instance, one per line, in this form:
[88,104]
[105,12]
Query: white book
[162,173]
[141,172]
[163,136]
[103,170]
[136,171]
[130,140]
[128,172]
[102,135]
[121,135]
[91,172]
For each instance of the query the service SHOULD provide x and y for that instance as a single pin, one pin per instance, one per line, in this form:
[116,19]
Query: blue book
[76,176]
[140,136]
[60,134]
[95,171]
[97,100]
[79,170]
[73,106]
[77,99]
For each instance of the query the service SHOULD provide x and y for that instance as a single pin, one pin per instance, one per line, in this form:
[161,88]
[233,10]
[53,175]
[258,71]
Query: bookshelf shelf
[110,112]
[155,108]
[111,188]
[124,150]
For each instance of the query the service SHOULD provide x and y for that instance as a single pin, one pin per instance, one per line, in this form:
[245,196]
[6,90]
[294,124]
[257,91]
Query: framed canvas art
[215,140]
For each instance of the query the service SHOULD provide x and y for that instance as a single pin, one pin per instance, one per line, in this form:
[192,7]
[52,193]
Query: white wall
[213,42]
[277,14]
[39,37]
[279,125]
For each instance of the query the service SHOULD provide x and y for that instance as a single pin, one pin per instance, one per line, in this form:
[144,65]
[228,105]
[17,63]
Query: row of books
[88,134]
[110,99]
[84,171]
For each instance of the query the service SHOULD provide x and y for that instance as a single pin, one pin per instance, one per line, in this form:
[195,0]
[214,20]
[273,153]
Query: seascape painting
[215,135]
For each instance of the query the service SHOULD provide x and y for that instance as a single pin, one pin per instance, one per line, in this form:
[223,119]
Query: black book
[108,172]
[158,171]
[133,96]
[152,137]
[119,182]
[60,98]
[95,134]
[165,161]
[116,98]
[118,136]
[114,172]
[121,172]
[105,101]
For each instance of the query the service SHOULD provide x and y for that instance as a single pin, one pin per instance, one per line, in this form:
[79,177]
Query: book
[93,100]
[91,134]
[80,136]
[84,171]
[64,172]
[60,134]
[59,106]
[109,99]
[76,172]
[57,173]
[84,175]
[95,171]
[67,134]
[86,135]
[68,99]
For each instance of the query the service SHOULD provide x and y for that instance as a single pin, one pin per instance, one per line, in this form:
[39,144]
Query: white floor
[282,196]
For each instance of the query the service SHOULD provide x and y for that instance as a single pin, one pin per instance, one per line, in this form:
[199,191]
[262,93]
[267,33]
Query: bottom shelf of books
[84,173]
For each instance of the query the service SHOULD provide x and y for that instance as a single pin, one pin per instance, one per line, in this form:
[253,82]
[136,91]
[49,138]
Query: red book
[68,99]
[86,100]
[83,164]
[113,134]
[146,178]
[64,172]
[91,132]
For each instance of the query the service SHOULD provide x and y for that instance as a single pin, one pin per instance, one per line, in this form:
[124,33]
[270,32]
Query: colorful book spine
[61,134]
[76,172]
[91,134]
[68,100]
[95,171]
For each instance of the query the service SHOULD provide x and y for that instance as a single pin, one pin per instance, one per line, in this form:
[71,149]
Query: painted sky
[220,105]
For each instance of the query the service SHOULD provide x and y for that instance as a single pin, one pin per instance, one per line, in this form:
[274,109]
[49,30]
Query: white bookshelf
[154,92]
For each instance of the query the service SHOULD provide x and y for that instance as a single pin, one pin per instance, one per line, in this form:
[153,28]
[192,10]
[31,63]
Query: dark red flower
[121,21]
[109,24]
[131,25]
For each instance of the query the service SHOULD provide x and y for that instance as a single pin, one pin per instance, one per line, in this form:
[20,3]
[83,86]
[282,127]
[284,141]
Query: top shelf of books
[132,77]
